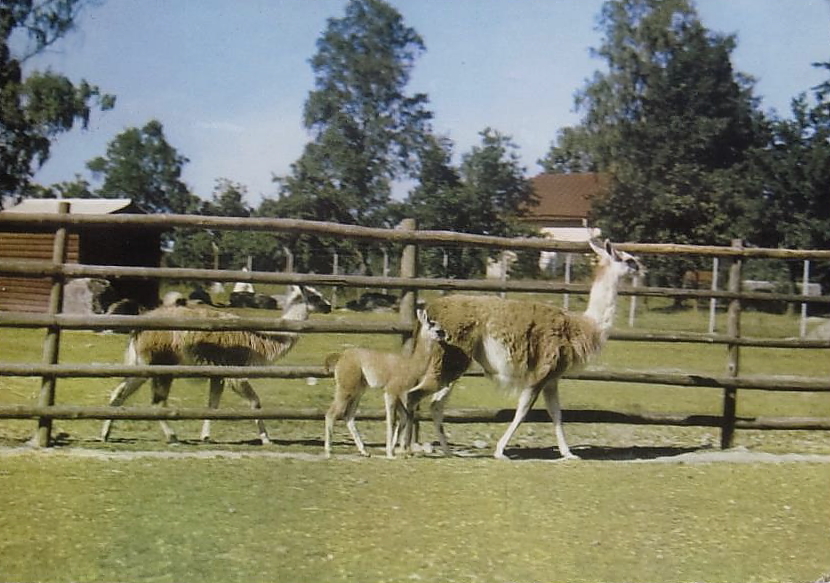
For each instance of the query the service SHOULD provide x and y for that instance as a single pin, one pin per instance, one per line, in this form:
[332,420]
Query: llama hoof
[265,441]
[172,440]
[570,456]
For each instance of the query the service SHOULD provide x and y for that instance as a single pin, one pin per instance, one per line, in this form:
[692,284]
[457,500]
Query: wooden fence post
[51,344]
[733,329]
[409,268]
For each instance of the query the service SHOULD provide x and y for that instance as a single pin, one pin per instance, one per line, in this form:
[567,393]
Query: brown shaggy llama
[527,346]
[223,348]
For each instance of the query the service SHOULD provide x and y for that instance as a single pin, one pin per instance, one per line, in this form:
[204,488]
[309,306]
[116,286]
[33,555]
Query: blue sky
[228,78]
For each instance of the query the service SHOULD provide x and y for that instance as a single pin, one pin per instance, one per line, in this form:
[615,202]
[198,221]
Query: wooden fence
[58,271]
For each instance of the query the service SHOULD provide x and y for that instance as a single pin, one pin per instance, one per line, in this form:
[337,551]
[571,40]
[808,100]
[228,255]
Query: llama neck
[298,311]
[602,302]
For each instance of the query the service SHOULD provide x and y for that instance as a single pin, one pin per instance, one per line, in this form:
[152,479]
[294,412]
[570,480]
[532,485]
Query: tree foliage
[34,109]
[365,129]
[365,126]
[485,195]
[671,121]
[140,164]
[226,249]
[792,175]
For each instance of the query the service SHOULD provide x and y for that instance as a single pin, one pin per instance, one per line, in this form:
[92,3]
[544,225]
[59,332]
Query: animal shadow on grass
[600,453]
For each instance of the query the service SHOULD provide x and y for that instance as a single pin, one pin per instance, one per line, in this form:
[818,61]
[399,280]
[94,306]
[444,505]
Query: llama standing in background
[223,348]
[528,346]
[358,369]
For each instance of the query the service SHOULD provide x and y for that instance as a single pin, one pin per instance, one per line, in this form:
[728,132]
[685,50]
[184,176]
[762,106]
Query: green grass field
[136,509]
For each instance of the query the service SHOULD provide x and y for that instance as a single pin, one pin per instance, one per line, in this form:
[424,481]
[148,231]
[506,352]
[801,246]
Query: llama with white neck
[213,347]
[527,346]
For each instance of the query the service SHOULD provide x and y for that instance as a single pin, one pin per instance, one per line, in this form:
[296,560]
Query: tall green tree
[366,128]
[140,164]
[792,176]
[486,195]
[671,121]
[36,108]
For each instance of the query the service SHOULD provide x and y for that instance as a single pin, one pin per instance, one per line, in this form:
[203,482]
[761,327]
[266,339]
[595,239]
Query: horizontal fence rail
[400,236]
[58,271]
[757,382]
[477,415]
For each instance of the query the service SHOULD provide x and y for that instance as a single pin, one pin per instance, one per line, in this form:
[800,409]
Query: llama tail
[330,361]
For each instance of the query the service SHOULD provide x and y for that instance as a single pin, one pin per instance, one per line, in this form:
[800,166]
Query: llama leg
[405,426]
[390,401]
[161,390]
[551,393]
[244,389]
[329,430]
[527,398]
[351,413]
[436,408]
[120,394]
[217,385]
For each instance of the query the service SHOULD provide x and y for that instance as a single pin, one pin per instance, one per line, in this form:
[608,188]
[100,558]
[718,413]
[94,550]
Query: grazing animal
[527,346]
[358,369]
[229,348]
[173,298]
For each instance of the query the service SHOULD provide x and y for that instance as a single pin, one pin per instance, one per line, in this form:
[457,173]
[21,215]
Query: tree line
[691,156]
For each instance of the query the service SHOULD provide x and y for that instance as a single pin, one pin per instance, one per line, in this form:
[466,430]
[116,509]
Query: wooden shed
[115,245]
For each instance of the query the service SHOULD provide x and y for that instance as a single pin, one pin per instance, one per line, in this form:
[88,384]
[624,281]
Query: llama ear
[609,248]
[422,317]
[596,248]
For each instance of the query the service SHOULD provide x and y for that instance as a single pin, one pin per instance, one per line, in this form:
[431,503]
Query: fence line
[401,236]
[75,270]
[409,282]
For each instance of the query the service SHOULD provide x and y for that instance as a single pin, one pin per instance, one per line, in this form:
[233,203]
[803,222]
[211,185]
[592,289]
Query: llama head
[618,262]
[430,329]
[312,298]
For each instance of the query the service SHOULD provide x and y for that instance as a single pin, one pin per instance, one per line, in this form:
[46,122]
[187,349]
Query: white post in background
[632,306]
[385,266]
[567,296]
[805,283]
[289,259]
[713,302]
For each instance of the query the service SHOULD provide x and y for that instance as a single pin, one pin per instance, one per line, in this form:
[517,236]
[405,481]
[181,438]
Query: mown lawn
[70,518]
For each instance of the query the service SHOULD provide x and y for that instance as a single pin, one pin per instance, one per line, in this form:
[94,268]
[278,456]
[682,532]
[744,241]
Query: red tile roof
[565,196]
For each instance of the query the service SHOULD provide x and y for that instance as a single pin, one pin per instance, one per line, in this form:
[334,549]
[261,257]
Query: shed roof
[77,206]
[566,196]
